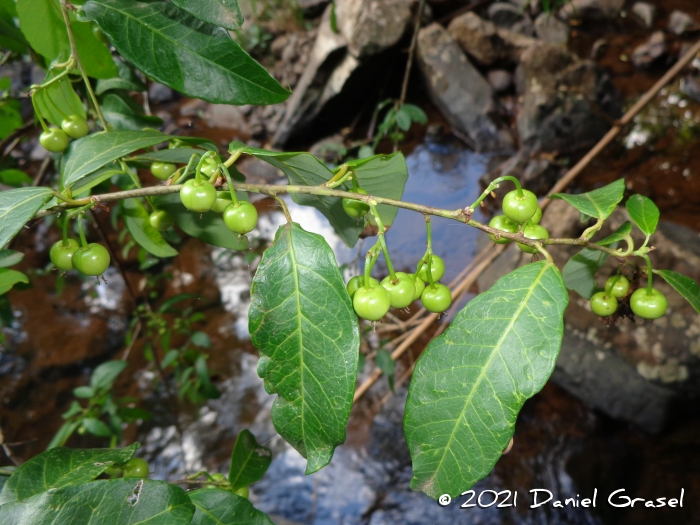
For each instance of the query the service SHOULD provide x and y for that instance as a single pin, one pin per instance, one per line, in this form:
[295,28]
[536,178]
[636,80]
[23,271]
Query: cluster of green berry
[519,211]
[90,259]
[55,139]
[647,303]
[134,468]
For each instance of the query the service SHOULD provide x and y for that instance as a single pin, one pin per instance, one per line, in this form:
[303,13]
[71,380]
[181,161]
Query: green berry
[533,231]
[503,223]
[198,197]
[603,304]
[163,170]
[437,269]
[520,209]
[357,281]
[54,140]
[401,291]
[420,286]
[353,208]
[242,492]
[622,286]
[161,220]
[209,166]
[241,218]
[223,201]
[371,303]
[92,259]
[537,217]
[437,298]
[136,468]
[61,254]
[648,305]
[75,127]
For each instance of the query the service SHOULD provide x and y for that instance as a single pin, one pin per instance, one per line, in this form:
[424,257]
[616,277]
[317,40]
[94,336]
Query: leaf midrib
[482,375]
[191,52]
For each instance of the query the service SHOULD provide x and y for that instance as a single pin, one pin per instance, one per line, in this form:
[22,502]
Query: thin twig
[42,171]
[411,53]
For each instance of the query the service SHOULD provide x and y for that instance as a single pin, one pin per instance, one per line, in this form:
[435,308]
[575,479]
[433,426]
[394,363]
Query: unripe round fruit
[402,292]
[371,303]
[241,218]
[209,166]
[437,298]
[136,468]
[648,306]
[622,286]
[161,220]
[533,231]
[520,209]
[163,170]
[353,208]
[603,304]
[420,286]
[61,254]
[75,127]
[99,34]
[437,269]
[198,198]
[242,492]
[537,217]
[502,222]
[54,140]
[356,282]
[92,259]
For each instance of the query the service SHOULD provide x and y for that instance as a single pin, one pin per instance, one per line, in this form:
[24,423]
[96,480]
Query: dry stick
[559,186]
[411,53]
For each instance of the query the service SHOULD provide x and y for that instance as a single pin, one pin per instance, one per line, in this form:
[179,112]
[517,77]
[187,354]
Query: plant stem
[65,229]
[234,199]
[381,229]
[338,178]
[186,173]
[38,87]
[76,57]
[198,170]
[81,231]
[651,275]
[38,115]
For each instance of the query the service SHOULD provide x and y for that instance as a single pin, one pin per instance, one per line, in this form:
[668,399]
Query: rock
[226,117]
[630,371]
[485,42]
[510,17]
[552,30]
[690,85]
[680,22]
[564,101]
[457,88]
[591,9]
[650,51]
[500,80]
[159,93]
[645,12]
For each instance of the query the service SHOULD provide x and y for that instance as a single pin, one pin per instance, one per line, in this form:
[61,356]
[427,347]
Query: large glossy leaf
[11,38]
[17,207]
[42,24]
[643,212]
[383,176]
[249,461]
[9,278]
[222,507]
[193,57]
[224,13]
[683,285]
[306,170]
[94,151]
[208,227]
[61,467]
[579,272]
[302,322]
[114,502]
[126,80]
[58,101]
[176,156]
[122,112]
[618,235]
[598,203]
[150,239]
[470,383]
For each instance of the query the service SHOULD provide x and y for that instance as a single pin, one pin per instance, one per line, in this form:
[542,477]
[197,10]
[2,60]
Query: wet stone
[680,22]
[646,13]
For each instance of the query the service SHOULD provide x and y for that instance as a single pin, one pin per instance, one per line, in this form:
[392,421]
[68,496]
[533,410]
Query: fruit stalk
[380,235]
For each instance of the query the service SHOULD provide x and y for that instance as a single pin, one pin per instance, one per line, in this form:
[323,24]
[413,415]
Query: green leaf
[10,258]
[58,101]
[96,427]
[403,120]
[17,207]
[302,322]
[416,113]
[249,461]
[10,117]
[383,176]
[683,285]
[116,502]
[61,467]
[13,177]
[83,392]
[206,387]
[65,432]
[94,179]
[386,364]
[11,38]
[306,170]
[42,24]
[150,239]
[104,375]
[126,80]
[176,156]
[222,507]
[9,278]
[208,227]
[617,235]
[224,13]
[94,151]
[598,203]
[644,213]
[193,57]
[122,112]
[580,271]
[470,383]
[201,340]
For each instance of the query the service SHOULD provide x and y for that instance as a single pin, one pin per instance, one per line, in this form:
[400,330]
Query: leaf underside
[470,383]
[598,203]
[685,286]
[17,207]
[302,322]
[579,272]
